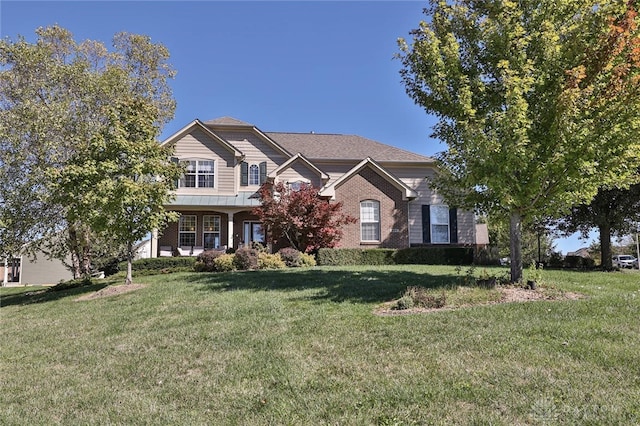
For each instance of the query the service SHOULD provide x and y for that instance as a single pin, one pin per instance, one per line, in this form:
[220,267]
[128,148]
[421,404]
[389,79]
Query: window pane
[439,233]
[205,166]
[187,223]
[440,215]
[254,175]
[205,181]
[370,232]
[187,239]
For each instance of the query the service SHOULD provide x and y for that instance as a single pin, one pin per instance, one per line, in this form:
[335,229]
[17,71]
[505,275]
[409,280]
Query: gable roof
[198,124]
[302,159]
[227,121]
[330,190]
[325,146]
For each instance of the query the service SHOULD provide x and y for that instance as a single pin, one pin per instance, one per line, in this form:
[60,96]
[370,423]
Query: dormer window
[253,174]
[198,174]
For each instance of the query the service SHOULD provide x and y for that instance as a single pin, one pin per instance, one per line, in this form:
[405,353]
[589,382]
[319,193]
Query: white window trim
[432,223]
[251,181]
[194,232]
[218,232]
[246,239]
[376,204]
[197,160]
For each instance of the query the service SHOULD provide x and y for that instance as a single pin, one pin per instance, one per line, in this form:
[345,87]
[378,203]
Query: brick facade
[367,184]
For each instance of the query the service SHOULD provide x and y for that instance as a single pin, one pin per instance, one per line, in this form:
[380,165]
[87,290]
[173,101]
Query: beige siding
[418,179]
[199,145]
[43,271]
[300,172]
[255,149]
[334,170]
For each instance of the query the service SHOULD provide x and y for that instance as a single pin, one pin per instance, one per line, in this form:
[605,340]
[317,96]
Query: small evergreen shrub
[270,261]
[308,260]
[160,265]
[378,256]
[224,263]
[246,258]
[435,256]
[205,260]
[291,257]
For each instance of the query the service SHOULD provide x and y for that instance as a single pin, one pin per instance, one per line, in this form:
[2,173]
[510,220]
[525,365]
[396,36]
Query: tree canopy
[537,100]
[300,217]
[59,99]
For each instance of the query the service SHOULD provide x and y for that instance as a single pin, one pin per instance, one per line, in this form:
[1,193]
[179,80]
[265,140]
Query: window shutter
[453,226]
[244,174]
[263,172]
[426,224]
[176,183]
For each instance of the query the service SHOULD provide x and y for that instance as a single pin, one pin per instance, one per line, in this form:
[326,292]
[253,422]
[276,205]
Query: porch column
[154,243]
[230,230]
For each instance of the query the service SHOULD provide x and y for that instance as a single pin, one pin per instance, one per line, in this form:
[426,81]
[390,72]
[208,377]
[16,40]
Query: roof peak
[227,121]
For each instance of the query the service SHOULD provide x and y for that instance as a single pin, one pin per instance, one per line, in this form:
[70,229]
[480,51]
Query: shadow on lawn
[42,295]
[336,285]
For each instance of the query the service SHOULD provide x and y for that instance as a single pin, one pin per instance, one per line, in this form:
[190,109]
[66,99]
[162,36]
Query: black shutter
[263,172]
[244,174]
[453,226]
[426,224]
[176,183]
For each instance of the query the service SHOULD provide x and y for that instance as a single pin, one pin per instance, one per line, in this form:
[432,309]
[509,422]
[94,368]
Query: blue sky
[293,66]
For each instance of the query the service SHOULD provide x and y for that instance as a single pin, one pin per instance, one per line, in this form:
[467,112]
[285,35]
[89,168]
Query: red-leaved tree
[305,220]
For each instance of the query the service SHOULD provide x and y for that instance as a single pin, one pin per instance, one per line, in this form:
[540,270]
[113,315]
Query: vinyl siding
[198,145]
[298,171]
[255,149]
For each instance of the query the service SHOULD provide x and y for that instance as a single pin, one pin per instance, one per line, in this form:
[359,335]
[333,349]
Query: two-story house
[384,187]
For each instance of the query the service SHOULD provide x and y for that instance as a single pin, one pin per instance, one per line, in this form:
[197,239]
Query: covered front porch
[208,222]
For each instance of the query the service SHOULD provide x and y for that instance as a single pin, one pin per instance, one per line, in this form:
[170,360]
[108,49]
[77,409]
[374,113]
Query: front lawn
[308,347]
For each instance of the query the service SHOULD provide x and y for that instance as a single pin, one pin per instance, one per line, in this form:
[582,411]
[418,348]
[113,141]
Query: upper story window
[198,174]
[253,174]
[370,220]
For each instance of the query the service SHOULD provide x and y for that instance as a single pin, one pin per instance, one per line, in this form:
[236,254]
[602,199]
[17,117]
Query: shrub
[355,256]
[435,256]
[246,258]
[160,265]
[205,260]
[578,262]
[224,263]
[308,259]
[420,297]
[291,257]
[270,261]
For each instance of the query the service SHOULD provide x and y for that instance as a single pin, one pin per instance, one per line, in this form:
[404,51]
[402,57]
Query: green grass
[303,347]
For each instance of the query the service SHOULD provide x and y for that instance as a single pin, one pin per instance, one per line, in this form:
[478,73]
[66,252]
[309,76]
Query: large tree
[56,96]
[306,221]
[537,100]
[612,211]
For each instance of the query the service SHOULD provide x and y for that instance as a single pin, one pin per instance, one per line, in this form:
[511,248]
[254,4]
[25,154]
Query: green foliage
[291,257]
[420,297]
[205,261]
[435,256]
[159,265]
[414,255]
[537,102]
[246,258]
[78,128]
[270,261]
[308,260]
[224,263]
[578,262]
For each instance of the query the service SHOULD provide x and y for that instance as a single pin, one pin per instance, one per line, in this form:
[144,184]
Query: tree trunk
[129,279]
[605,247]
[515,240]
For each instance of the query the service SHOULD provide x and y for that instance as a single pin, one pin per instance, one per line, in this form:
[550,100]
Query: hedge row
[161,264]
[414,255]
